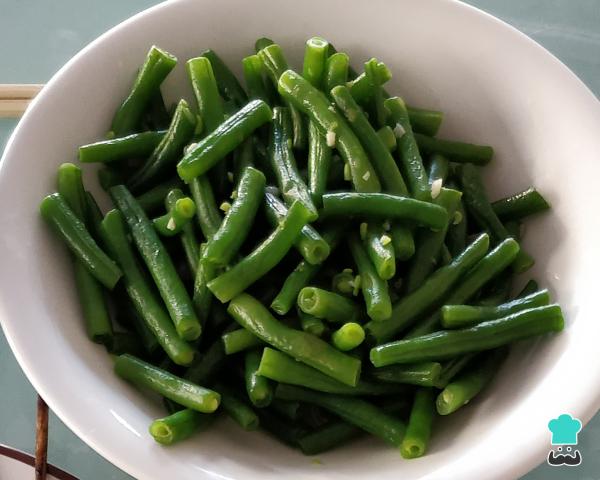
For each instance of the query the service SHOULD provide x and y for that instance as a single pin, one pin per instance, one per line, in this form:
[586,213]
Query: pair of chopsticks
[14,98]
[41,440]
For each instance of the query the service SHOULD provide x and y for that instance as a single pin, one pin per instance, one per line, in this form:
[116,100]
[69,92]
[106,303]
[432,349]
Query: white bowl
[495,85]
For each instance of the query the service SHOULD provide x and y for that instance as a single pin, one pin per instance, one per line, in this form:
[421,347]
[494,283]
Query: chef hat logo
[564,429]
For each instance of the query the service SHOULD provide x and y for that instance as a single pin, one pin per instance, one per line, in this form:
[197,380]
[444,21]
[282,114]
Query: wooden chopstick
[15,97]
[41,440]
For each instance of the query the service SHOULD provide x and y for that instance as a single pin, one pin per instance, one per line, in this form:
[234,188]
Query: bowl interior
[495,86]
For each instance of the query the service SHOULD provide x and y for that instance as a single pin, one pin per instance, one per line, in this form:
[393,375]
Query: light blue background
[38,37]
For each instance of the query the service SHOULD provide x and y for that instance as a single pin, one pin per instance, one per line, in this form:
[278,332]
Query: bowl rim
[528,461]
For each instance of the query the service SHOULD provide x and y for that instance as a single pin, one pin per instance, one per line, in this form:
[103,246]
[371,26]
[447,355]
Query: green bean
[374,288]
[307,348]
[458,316]
[319,163]
[275,64]
[424,121]
[456,236]
[155,197]
[484,336]
[239,412]
[206,366]
[282,368]
[451,368]
[384,205]
[136,145]
[187,236]
[263,258]
[487,268]
[253,76]
[408,152]
[93,216]
[108,176]
[438,169]
[387,137]
[141,293]
[403,242]
[93,304]
[168,151]
[243,157]
[302,275]
[228,84]
[207,213]
[223,140]
[178,426]
[349,336]
[353,410]
[380,249]
[128,316]
[315,56]
[155,69]
[240,340]
[336,71]
[530,287]
[312,325]
[406,311]
[178,215]
[470,382]
[430,243]
[455,151]
[70,186]
[202,77]
[202,296]
[71,229]
[159,264]
[327,305]
[376,74]
[520,205]
[313,248]
[498,291]
[384,163]
[476,200]
[168,385]
[424,374]
[344,282]
[290,183]
[338,133]
[236,225]
[418,430]
[156,116]
[258,387]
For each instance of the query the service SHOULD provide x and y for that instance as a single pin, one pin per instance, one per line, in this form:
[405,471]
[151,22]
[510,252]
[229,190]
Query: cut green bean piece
[263,258]
[380,249]
[159,264]
[438,169]
[187,235]
[327,305]
[384,205]
[336,71]
[177,216]
[315,57]
[458,316]
[418,430]
[253,76]
[140,292]
[455,151]
[312,325]
[387,137]
[204,84]
[207,365]
[530,287]
[240,340]
[470,382]
[406,311]
[426,374]
[520,205]
[136,145]
[239,412]
[223,140]
[71,229]
[168,151]
[376,74]
[178,426]
[348,336]
[302,346]
[353,410]
[484,336]
[425,121]
[374,288]
[282,368]
[174,388]
[283,163]
[337,132]
[319,163]
[154,198]
[451,368]
[207,213]
[258,387]
[155,69]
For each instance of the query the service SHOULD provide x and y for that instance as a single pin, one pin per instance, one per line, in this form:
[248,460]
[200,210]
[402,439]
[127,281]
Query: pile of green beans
[298,252]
